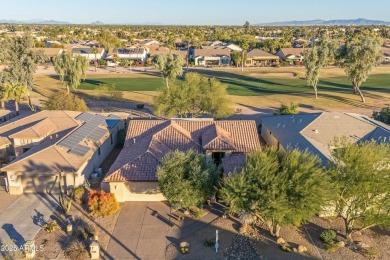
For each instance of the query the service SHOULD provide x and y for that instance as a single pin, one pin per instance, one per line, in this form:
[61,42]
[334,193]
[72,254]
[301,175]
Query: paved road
[23,218]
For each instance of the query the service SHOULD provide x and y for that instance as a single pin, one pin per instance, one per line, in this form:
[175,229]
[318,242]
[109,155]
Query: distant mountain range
[359,21]
[34,21]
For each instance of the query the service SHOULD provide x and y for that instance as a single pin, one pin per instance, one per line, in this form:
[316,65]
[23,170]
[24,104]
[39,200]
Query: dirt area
[377,238]
[55,243]
[273,75]
[227,229]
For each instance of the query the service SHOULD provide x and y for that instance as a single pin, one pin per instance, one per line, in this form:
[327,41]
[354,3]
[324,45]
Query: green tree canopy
[236,57]
[321,54]
[280,189]
[358,57]
[169,66]
[62,100]
[187,178]
[71,69]
[196,96]
[21,60]
[361,174]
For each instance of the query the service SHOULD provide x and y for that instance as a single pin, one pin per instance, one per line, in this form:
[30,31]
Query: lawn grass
[124,84]
[243,85]
[248,88]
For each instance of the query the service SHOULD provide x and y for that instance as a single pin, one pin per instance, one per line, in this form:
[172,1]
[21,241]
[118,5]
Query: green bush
[51,227]
[328,236]
[287,109]
[209,243]
[61,100]
[78,194]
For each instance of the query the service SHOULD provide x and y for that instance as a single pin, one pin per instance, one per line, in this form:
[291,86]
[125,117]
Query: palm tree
[115,58]
[95,51]
[15,91]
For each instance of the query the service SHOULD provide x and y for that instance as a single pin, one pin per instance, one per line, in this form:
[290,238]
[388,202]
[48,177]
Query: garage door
[40,184]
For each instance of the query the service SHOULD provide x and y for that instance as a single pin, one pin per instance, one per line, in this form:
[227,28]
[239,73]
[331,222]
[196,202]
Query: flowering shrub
[102,204]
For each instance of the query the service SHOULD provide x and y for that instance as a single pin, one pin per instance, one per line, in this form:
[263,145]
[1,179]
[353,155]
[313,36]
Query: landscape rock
[302,249]
[295,250]
[280,241]
[360,244]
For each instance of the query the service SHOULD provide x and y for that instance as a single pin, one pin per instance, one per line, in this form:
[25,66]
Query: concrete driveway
[143,231]
[23,218]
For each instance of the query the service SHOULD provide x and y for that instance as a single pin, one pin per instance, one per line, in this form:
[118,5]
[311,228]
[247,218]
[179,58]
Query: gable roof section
[216,138]
[148,139]
[39,130]
[258,53]
[49,156]
[316,132]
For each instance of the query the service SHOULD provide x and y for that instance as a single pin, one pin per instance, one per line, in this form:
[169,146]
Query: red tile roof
[148,141]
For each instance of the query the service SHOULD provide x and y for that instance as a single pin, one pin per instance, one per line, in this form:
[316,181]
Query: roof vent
[315,131]
[278,125]
[300,121]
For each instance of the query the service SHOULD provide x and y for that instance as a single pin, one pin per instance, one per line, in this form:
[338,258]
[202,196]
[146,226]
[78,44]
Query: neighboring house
[52,43]
[134,54]
[51,53]
[217,44]
[147,43]
[386,54]
[165,51]
[87,52]
[133,177]
[233,47]
[212,56]
[50,144]
[317,132]
[292,54]
[260,58]
[6,115]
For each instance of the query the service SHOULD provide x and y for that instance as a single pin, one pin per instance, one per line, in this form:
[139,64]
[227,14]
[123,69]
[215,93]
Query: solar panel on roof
[79,150]
[97,134]
[85,117]
[90,129]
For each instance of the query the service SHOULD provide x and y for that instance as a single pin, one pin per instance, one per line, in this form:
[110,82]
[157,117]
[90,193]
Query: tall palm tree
[95,51]
[15,91]
[115,58]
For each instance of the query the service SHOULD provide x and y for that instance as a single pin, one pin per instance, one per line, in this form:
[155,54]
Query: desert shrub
[328,236]
[209,243]
[102,204]
[76,250]
[197,213]
[51,227]
[102,62]
[61,100]
[370,252]
[90,229]
[383,115]
[79,194]
[285,248]
[80,233]
[287,109]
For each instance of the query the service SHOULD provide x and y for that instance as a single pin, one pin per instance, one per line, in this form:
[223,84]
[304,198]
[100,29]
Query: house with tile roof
[134,54]
[211,56]
[87,52]
[292,54]
[133,177]
[260,58]
[49,145]
[316,132]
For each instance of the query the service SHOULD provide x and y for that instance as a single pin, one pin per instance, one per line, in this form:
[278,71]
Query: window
[217,157]
[99,151]
[111,139]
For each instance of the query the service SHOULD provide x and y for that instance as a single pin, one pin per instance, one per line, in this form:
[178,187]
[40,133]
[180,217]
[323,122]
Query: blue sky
[213,12]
